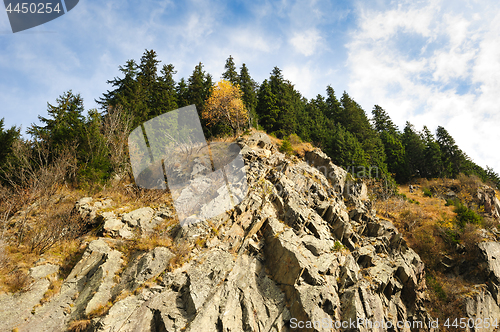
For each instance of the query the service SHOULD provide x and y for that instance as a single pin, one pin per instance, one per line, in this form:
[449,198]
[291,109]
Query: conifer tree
[333,109]
[199,86]
[391,139]
[433,162]
[345,149]
[65,125]
[414,148]
[278,104]
[166,99]
[382,121]
[354,119]
[453,157]
[7,139]
[182,93]
[127,93]
[248,87]
[230,73]
[148,80]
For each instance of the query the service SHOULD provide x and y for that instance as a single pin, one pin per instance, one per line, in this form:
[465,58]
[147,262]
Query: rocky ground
[304,245]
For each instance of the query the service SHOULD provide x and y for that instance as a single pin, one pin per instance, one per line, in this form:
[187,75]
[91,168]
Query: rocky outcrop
[485,301]
[140,222]
[291,251]
[88,208]
[487,198]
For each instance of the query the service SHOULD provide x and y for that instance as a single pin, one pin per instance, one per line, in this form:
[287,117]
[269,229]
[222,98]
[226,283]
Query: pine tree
[248,87]
[414,148]
[166,99]
[453,157]
[127,92]
[199,86]
[230,73]
[7,139]
[333,109]
[278,104]
[65,125]
[148,79]
[182,93]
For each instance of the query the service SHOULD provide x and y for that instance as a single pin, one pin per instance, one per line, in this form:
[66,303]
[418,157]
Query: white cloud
[434,84]
[306,42]
[435,62]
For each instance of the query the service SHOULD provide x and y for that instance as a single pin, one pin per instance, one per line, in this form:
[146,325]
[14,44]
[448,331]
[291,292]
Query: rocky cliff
[303,249]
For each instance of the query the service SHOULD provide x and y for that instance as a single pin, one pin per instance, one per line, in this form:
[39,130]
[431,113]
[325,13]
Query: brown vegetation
[429,225]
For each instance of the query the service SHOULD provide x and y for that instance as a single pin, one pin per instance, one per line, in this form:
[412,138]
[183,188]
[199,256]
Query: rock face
[292,251]
[487,198]
[485,303]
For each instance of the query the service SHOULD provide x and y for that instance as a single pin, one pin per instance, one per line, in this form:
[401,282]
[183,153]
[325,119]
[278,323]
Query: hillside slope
[304,245]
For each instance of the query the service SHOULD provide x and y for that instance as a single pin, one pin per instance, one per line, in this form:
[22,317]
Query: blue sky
[429,62]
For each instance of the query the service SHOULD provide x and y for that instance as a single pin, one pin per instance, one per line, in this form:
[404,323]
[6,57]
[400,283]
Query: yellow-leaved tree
[225,105]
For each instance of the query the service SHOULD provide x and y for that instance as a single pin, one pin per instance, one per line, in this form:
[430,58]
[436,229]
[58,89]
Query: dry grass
[79,325]
[447,297]
[54,288]
[100,310]
[431,229]
[16,281]
[181,255]
[14,273]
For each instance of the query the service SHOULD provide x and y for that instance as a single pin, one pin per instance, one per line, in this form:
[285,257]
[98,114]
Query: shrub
[450,202]
[286,147]
[427,192]
[451,235]
[337,246]
[294,139]
[17,281]
[436,287]
[410,219]
[469,239]
[466,215]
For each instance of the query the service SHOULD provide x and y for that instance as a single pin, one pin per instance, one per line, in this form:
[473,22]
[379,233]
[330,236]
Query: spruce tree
[198,89]
[345,149]
[230,73]
[127,93]
[414,148]
[148,80]
[391,139]
[382,121]
[166,99]
[65,125]
[7,139]
[333,109]
[354,119]
[182,93]
[248,87]
[278,104]
[453,157]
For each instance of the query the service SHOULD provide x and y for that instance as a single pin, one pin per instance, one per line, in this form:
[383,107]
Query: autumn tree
[225,105]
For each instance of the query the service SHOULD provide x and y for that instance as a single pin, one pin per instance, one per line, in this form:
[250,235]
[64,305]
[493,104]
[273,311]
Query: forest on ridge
[146,89]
